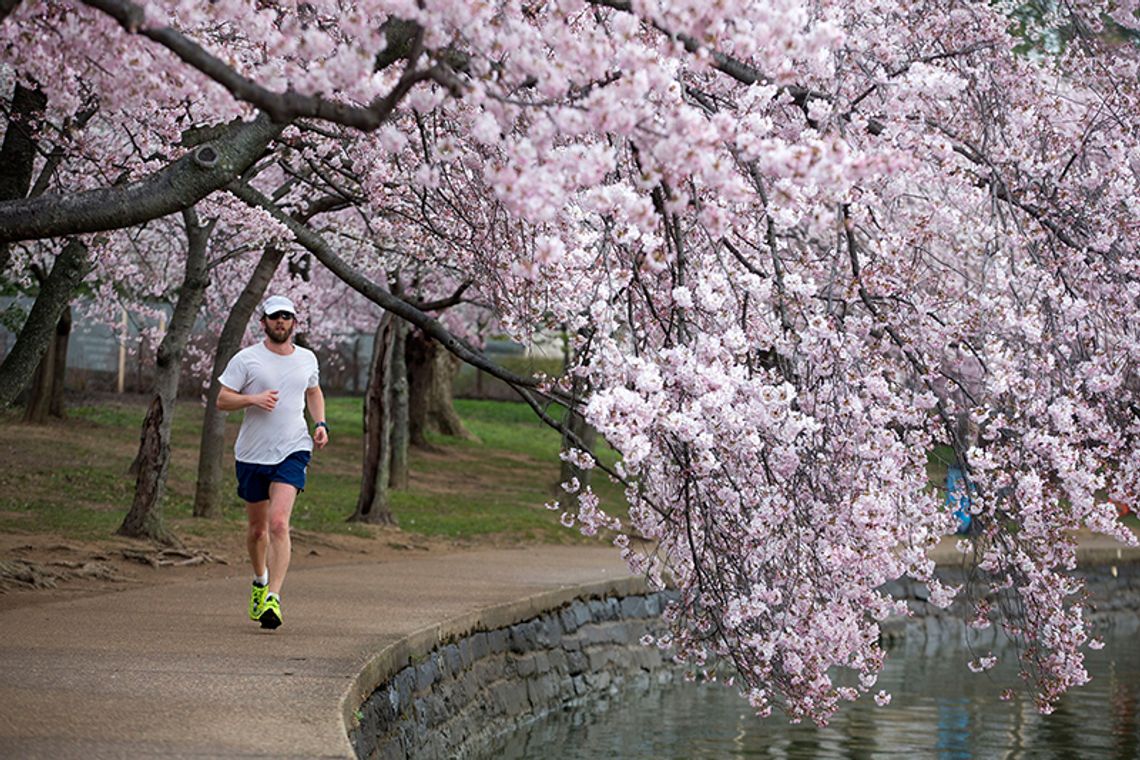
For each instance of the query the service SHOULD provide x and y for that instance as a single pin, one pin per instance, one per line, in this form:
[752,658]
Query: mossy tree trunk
[373,504]
[398,478]
[431,408]
[45,397]
[71,266]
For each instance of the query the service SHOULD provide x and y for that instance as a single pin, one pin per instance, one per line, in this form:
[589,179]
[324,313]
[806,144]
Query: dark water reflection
[939,709]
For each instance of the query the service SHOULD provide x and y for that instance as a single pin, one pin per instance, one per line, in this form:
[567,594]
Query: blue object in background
[957,498]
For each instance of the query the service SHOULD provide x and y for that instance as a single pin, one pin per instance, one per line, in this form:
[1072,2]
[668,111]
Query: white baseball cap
[274,304]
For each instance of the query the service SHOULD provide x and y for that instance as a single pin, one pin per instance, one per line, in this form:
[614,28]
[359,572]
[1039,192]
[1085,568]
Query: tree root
[25,574]
[172,557]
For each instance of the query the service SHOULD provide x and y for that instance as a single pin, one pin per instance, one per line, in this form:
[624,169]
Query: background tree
[144,520]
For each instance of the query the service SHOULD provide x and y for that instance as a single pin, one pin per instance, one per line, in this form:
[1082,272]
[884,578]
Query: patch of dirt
[39,568]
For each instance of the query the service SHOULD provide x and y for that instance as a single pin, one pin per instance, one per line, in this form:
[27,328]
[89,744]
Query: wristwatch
[323,424]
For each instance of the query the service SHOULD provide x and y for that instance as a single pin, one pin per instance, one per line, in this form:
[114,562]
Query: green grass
[71,478]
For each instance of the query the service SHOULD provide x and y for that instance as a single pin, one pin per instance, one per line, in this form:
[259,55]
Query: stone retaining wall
[483,679]
[1114,588]
[463,695]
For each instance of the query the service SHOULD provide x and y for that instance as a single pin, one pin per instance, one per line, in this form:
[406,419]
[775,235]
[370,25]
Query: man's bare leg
[280,509]
[257,535]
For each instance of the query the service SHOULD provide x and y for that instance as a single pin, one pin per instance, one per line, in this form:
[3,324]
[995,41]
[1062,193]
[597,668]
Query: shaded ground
[39,568]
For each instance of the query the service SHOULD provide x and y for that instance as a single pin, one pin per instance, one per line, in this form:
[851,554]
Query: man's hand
[321,436]
[266,400]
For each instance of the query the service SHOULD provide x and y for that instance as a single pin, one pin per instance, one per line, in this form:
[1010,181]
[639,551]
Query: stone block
[576,662]
[598,681]
[654,603]
[581,612]
[548,633]
[427,673]
[567,620]
[524,637]
[565,689]
[525,665]
[634,607]
[542,692]
[605,633]
[480,646]
[393,750]
[596,634]
[648,658]
[572,643]
[512,695]
[498,640]
[598,659]
[435,710]
[452,660]
[404,684]
[489,670]
[557,660]
[462,691]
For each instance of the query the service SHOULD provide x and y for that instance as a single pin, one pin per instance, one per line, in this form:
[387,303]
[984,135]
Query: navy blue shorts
[254,479]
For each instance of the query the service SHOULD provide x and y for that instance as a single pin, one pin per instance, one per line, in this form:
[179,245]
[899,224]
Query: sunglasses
[279,315]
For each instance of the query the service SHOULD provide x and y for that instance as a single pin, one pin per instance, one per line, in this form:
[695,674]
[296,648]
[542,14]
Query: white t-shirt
[270,437]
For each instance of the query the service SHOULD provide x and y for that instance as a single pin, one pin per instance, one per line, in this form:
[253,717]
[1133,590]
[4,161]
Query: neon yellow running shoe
[269,613]
[256,597]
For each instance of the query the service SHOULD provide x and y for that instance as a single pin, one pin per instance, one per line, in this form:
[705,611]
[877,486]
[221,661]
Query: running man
[273,381]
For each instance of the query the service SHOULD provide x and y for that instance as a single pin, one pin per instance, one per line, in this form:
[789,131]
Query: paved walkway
[178,671]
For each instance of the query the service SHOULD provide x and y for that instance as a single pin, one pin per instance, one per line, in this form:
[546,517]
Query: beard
[279,335]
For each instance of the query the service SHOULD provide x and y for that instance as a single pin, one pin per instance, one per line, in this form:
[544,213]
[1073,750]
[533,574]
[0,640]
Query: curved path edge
[390,660]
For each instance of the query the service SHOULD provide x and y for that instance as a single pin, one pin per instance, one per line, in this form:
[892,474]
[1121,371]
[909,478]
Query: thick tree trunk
[18,151]
[208,493]
[373,505]
[45,398]
[59,375]
[431,370]
[144,520]
[19,366]
[398,479]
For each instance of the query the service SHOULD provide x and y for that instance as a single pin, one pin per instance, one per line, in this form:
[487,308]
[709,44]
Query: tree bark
[431,370]
[18,151]
[68,271]
[399,475]
[140,521]
[144,520]
[46,395]
[176,187]
[373,505]
[59,348]
[211,449]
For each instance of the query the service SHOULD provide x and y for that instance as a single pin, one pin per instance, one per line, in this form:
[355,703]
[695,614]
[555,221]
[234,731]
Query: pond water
[939,710]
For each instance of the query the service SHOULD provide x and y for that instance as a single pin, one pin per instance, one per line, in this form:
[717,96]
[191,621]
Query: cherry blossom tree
[799,245]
